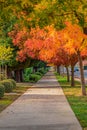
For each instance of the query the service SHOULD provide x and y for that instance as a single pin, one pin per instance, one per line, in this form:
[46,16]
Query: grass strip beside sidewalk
[77,102]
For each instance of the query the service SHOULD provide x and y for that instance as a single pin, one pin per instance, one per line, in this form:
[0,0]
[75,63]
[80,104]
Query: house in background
[84,65]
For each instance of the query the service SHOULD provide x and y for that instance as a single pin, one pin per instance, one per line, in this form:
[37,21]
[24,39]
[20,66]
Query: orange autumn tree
[19,36]
[44,44]
[36,43]
[76,42]
[41,43]
[66,53]
[28,41]
[62,58]
[73,59]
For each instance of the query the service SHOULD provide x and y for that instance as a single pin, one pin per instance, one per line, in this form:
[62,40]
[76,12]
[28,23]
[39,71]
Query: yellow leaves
[26,3]
[84,45]
[50,29]
[5,53]
[41,6]
[75,38]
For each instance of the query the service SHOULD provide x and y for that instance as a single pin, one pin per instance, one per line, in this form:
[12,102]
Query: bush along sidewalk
[8,98]
[34,76]
[6,86]
[2,90]
[9,85]
[77,102]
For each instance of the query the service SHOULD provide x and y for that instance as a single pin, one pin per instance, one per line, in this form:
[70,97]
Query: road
[77,74]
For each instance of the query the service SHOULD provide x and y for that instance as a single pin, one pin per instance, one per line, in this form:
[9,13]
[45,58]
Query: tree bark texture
[17,75]
[82,75]
[68,77]
[21,75]
[58,70]
[72,76]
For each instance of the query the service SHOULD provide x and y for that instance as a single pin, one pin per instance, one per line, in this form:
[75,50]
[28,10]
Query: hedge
[8,85]
[38,73]
[34,77]
[13,82]
[2,90]
[42,71]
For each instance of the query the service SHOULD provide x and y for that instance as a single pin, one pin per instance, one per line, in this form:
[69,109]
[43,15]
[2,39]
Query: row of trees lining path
[47,30]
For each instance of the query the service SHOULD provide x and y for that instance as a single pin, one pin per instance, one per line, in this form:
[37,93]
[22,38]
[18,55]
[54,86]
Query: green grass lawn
[11,97]
[76,100]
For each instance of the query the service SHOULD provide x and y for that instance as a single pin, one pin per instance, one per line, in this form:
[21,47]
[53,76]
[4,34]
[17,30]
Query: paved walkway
[43,107]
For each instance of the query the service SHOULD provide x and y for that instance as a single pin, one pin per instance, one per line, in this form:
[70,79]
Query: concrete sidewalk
[43,107]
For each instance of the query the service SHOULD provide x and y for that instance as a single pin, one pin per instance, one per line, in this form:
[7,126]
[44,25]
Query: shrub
[38,73]
[2,77]
[27,72]
[34,77]
[42,71]
[8,85]
[2,90]
[26,78]
[13,82]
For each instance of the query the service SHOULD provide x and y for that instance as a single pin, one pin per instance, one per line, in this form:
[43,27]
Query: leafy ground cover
[11,97]
[77,102]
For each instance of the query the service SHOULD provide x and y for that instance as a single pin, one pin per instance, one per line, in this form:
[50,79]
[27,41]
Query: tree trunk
[72,76]
[82,74]
[68,77]
[9,73]
[3,72]
[17,75]
[6,71]
[58,70]
[21,75]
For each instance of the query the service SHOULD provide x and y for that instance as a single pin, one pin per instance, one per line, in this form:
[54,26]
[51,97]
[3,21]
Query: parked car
[76,69]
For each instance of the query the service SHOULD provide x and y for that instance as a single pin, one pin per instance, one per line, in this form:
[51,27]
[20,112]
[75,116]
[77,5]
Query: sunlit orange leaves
[49,44]
[76,40]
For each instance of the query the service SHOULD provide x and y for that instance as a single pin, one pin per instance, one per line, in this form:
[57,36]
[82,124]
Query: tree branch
[65,14]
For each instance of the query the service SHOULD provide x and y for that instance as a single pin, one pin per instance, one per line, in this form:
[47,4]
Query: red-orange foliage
[59,47]
[19,36]
[48,44]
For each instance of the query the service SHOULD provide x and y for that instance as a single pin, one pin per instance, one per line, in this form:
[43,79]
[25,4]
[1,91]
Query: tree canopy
[37,30]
